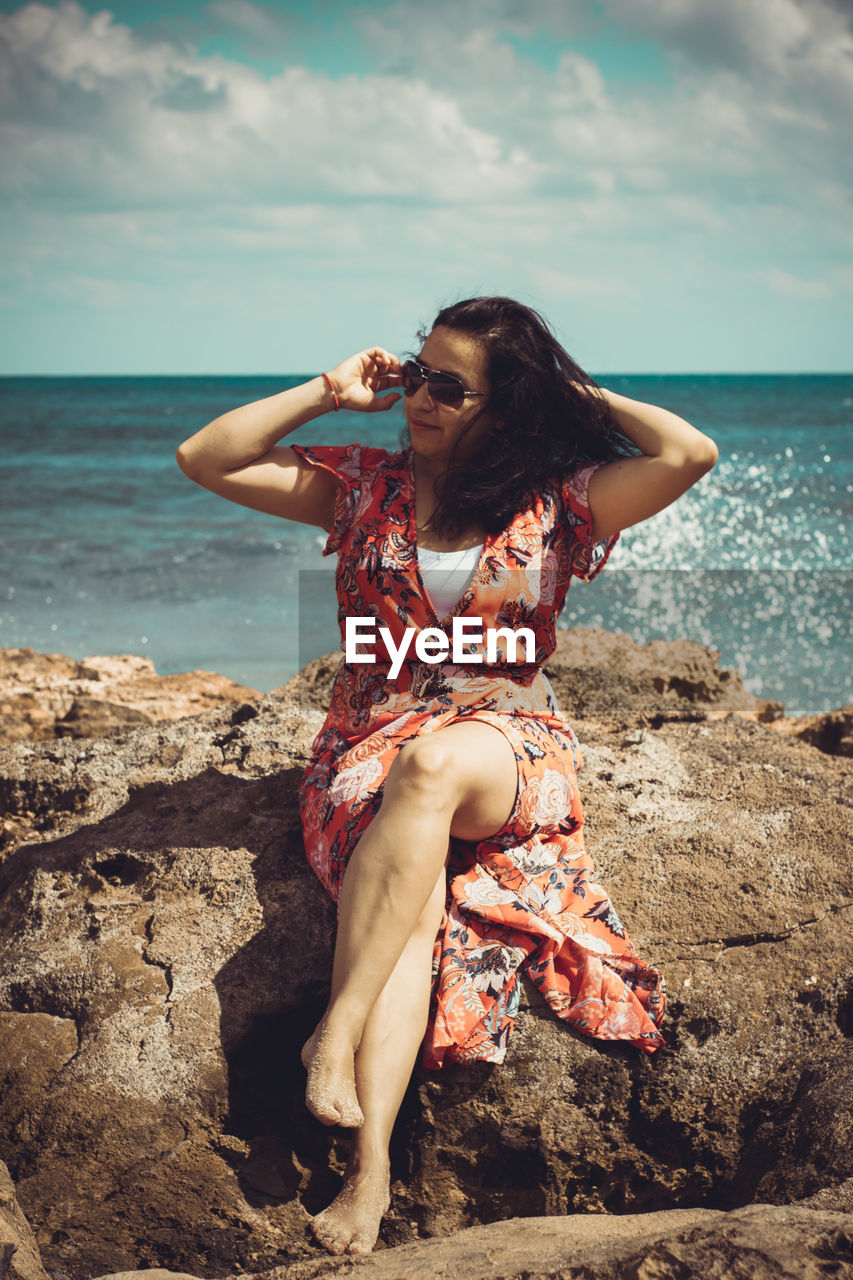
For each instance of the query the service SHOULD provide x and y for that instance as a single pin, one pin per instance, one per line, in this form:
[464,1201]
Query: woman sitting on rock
[440,805]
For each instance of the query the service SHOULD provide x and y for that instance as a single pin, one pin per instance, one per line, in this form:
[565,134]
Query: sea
[107,548]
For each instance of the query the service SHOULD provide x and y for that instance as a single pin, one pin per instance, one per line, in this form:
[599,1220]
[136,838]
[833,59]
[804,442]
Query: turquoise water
[108,548]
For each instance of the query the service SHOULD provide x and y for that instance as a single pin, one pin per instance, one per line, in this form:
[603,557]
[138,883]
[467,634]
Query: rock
[137,937]
[761,1242]
[832,732]
[47,695]
[838,1198]
[95,717]
[150,1273]
[312,686]
[166,950]
[604,673]
[19,1254]
[822,1105]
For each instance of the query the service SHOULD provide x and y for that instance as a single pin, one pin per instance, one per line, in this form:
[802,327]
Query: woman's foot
[330,1094]
[351,1222]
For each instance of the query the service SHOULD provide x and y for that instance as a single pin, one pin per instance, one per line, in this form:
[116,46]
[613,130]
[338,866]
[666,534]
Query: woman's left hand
[359,380]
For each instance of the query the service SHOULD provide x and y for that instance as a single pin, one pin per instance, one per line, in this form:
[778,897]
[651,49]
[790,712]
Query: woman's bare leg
[461,780]
[389,1049]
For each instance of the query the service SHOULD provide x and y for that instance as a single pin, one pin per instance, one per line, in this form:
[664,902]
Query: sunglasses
[443,388]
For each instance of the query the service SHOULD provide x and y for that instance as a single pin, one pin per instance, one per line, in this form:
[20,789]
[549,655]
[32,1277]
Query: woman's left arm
[628,490]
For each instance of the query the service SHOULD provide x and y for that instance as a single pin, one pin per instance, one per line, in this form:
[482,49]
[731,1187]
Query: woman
[440,807]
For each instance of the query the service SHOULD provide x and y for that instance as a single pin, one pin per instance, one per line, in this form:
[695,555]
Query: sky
[230,186]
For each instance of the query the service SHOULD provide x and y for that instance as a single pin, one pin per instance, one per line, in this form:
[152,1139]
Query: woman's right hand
[359,380]
[237,457]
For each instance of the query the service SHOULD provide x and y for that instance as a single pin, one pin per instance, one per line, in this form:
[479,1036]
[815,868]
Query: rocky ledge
[166,949]
[47,695]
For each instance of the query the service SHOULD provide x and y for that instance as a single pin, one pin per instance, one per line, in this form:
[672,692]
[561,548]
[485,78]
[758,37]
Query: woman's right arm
[236,455]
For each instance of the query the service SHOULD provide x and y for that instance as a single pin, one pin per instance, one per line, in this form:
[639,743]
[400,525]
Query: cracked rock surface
[166,950]
[760,1242]
[19,1254]
[48,695]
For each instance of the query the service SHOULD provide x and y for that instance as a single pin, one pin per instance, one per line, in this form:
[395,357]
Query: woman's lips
[421,426]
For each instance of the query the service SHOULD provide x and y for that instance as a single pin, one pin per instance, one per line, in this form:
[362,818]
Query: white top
[446,575]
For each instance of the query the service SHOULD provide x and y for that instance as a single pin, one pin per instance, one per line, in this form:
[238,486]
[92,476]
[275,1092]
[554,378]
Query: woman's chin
[427,442]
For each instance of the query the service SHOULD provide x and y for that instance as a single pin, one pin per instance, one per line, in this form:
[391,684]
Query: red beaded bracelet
[335,397]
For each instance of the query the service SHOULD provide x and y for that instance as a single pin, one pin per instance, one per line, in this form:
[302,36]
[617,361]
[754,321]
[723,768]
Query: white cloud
[98,117]
[805,45]
[126,154]
[92,118]
[253,19]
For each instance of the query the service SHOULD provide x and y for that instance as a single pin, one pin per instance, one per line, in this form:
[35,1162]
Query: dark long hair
[545,427]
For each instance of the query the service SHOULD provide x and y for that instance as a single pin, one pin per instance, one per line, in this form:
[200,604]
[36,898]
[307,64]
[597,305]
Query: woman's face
[434,428]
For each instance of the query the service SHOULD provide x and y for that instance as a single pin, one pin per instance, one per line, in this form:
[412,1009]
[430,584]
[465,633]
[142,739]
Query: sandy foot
[330,1093]
[351,1222]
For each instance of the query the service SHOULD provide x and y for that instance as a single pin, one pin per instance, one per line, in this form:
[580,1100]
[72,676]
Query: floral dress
[525,898]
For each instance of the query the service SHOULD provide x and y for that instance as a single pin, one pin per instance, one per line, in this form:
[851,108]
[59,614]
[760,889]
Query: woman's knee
[425,766]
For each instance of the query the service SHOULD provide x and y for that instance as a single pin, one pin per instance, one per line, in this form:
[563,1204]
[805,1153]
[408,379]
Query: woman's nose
[423,391]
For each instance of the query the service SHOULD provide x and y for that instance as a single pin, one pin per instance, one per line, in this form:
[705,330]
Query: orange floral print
[525,899]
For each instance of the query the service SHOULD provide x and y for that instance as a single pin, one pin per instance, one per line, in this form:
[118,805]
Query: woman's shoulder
[354,459]
[571,487]
[562,499]
[386,459]
[383,469]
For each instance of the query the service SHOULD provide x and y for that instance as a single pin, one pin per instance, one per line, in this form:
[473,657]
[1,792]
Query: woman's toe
[327,1113]
[328,1236]
[360,1244]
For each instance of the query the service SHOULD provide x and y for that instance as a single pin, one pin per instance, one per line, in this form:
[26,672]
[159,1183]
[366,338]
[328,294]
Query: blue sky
[229,186]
